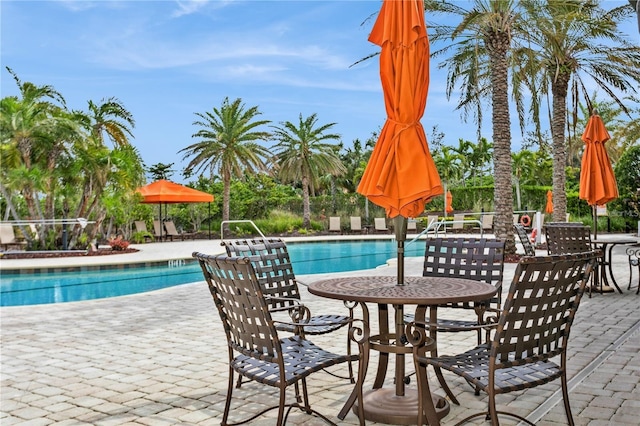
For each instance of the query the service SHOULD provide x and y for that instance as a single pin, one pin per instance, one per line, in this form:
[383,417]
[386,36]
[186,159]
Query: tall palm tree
[569,45]
[228,144]
[303,155]
[112,119]
[480,62]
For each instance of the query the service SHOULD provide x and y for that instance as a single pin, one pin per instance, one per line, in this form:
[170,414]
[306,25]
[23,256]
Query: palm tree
[112,119]
[227,144]
[569,45]
[303,155]
[485,32]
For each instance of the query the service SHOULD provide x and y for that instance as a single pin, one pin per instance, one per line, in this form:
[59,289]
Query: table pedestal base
[384,406]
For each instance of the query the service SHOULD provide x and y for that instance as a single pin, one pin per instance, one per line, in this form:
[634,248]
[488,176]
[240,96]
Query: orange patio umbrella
[166,192]
[597,181]
[401,175]
[549,207]
[448,203]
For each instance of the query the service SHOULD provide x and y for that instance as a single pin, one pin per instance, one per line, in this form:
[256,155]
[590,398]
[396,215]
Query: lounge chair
[141,226]
[432,223]
[487,222]
[158,231]
[458,223]
[256,351]
[380,224]
[355,223]
[412,226]
[8,238]
[334,224]
[527,245]
[528,347]
[170,227]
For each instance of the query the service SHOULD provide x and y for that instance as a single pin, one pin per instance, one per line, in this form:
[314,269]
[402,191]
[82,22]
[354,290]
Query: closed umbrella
[597,181]
[549,207]
[401,175]
[448,203]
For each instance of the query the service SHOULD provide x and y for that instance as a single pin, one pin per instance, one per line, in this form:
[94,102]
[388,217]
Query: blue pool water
[307,258]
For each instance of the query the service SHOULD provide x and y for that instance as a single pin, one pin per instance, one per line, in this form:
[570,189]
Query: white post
[539,221]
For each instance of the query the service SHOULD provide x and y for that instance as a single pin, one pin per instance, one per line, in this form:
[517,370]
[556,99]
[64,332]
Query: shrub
[118,243]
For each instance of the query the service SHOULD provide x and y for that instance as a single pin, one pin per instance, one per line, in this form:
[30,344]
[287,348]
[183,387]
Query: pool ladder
[239,221]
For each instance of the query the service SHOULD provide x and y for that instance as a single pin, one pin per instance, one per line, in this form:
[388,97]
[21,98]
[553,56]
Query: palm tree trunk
[503,192]
[306,209]
[559,90]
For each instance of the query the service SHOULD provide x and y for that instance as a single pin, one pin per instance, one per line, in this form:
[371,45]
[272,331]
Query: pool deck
[160,358]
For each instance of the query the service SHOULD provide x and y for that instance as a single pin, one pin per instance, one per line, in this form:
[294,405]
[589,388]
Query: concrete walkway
[160,357]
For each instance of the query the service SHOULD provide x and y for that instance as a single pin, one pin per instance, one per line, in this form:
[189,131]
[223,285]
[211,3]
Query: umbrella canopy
[448,203]
[401,175]
[164,191]
[549,207]
[597,181]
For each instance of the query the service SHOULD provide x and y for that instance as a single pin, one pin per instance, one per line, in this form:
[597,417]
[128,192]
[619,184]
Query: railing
[79,220]
[239,221]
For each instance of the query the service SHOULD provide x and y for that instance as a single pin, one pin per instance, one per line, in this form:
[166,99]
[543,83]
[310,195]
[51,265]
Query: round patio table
[399,405]
[606,245]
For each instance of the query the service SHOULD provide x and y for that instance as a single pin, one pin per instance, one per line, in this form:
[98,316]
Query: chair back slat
[567,238]
[272,265]
[241,305]
[540,307]
[480,259]
[529,248]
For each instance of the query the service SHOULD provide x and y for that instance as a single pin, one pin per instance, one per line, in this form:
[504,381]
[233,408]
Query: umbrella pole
[400,228]
[595,222]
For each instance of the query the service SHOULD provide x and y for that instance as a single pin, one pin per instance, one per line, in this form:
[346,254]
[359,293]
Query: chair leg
[445,386]
[493,413]
[425,402]
[565,399]
[227,403]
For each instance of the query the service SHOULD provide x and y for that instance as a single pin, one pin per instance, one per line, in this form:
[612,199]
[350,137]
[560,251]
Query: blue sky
[167,60]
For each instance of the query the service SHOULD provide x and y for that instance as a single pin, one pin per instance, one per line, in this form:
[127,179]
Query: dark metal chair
[271,261]
[634,260]
[529,248]
[532,329]
[480,259]
[256,352]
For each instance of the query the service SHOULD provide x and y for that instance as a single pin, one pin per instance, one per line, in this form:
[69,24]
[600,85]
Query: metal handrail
[80,220]
[239,221]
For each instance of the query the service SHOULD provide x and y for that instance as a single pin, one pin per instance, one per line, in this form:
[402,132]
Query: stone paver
[160,358]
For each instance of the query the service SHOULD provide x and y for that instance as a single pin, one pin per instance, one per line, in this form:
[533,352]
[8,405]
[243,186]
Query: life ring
[525,220]
[534,234]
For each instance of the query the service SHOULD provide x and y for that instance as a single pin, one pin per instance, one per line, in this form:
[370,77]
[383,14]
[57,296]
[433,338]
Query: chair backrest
[458,221]
[480,259]
[540,307]
[487,221]
[157,228]
[7,236]
[380,224]
[567,237]
[170,227]
[412,225]
[272,265]
[334,224]
[241,304]
[141,226]
[516,218]
[356,223]
[432,220]
[529,248]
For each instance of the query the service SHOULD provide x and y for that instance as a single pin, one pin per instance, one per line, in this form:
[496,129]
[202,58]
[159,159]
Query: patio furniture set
[268,326]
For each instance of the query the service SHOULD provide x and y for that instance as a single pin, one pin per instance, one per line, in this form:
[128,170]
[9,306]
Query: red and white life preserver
[534,233]
[525,220]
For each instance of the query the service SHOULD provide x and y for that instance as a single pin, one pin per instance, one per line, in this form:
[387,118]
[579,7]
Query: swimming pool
[307,258]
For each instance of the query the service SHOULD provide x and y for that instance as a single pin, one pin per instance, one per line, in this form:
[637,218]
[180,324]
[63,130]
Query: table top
[415,291]
[606,240]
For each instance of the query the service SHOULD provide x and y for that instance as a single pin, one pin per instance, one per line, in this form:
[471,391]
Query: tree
[575,43]
[480,62]
[228,145]
[160,171]
[303,155]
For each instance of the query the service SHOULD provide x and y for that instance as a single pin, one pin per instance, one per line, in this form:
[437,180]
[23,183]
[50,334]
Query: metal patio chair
[480,259]
[529,248]
[256,352]
[532,329]
[271,261]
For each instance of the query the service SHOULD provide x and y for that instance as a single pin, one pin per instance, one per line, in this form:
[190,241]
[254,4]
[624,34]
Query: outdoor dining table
[605,273]
[398,405]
